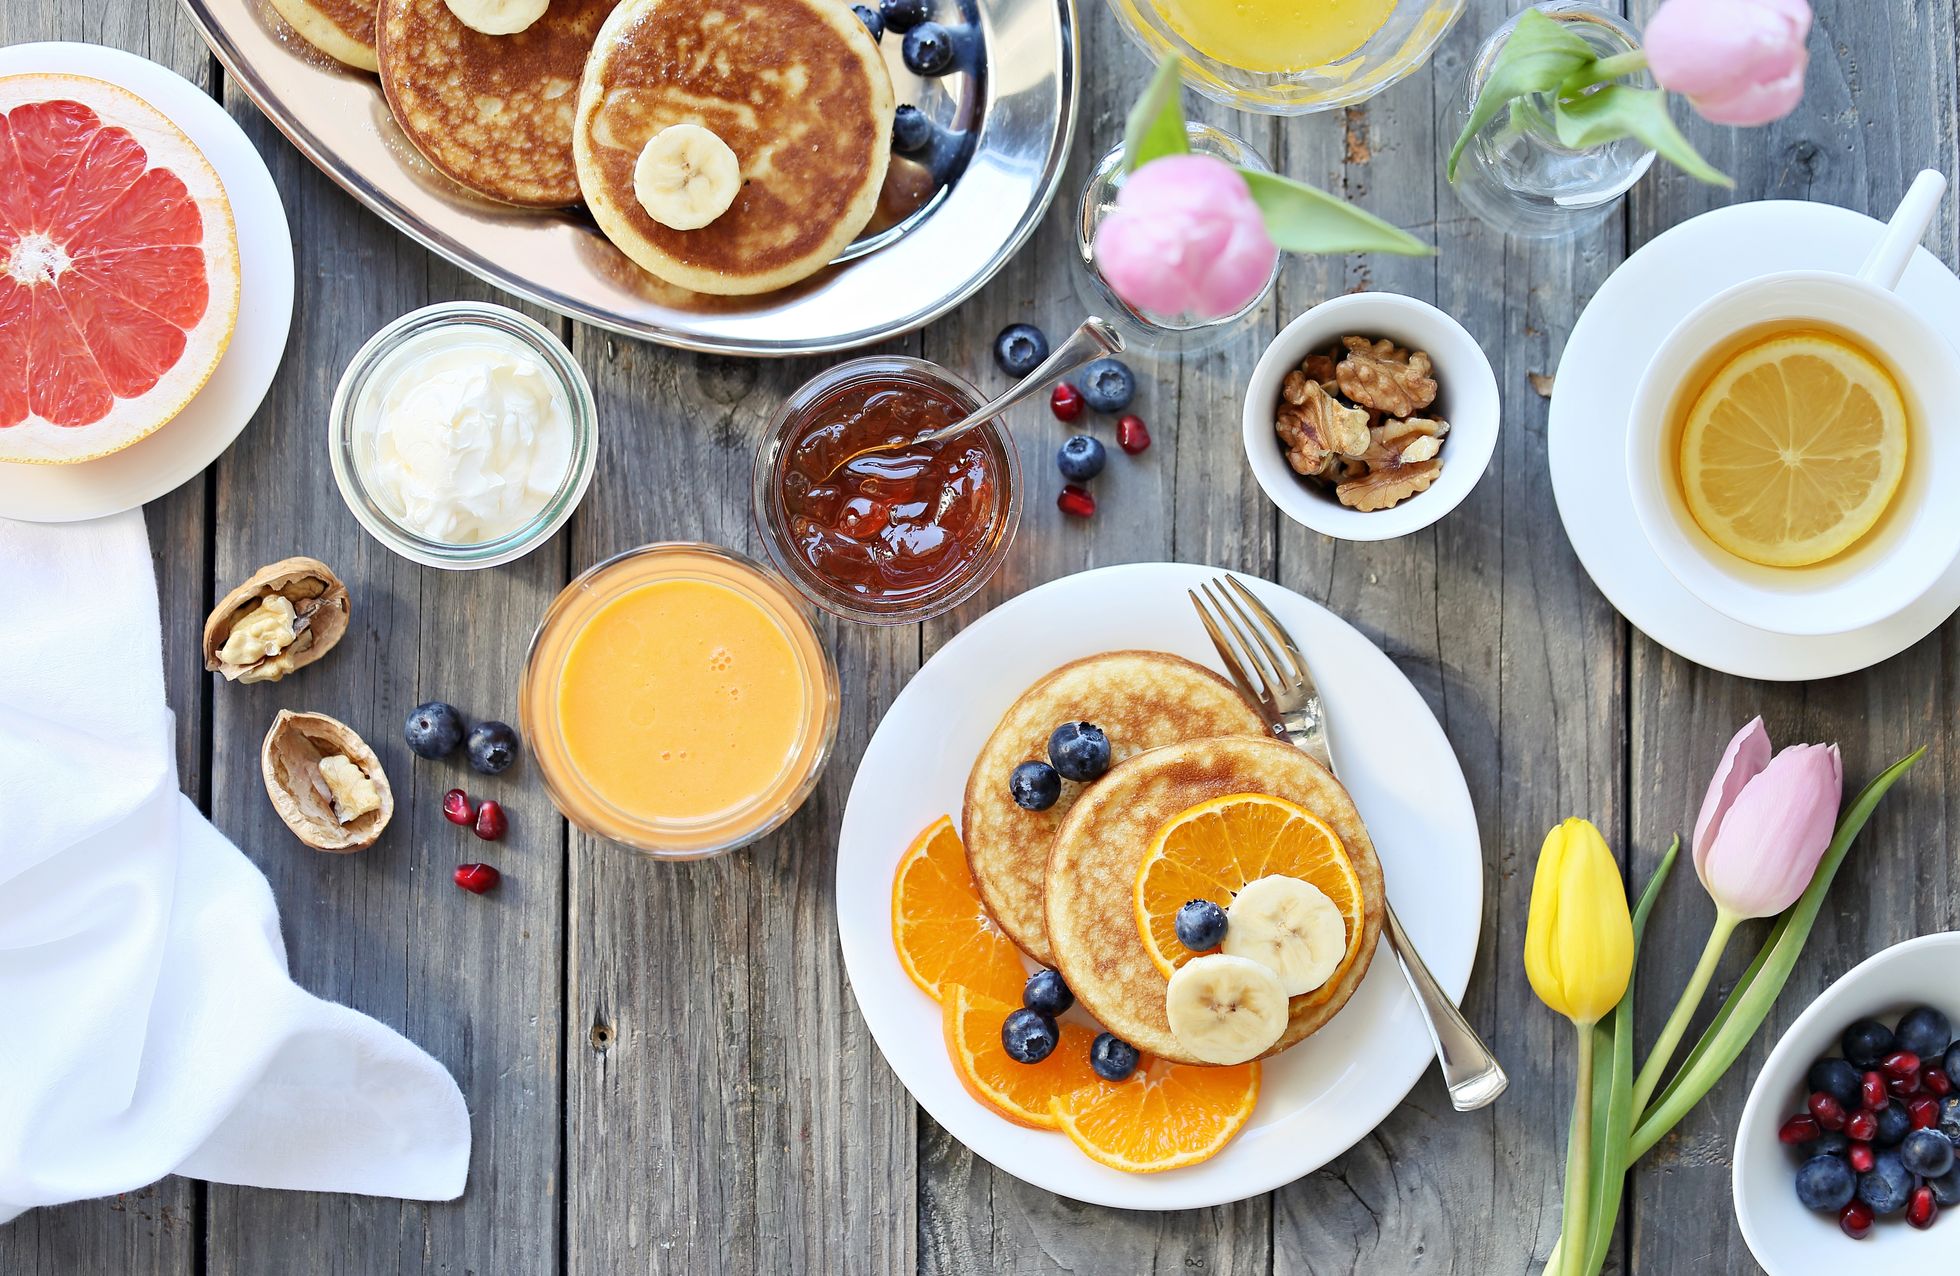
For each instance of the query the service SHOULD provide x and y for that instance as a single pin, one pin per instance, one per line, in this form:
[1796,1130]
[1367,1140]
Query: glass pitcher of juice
[1290,57]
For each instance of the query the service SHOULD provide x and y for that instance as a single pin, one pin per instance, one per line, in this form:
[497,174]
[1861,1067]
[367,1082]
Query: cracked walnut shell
[1388,485]
[1384,377]
[285,616]
[1320,428]
[325,782]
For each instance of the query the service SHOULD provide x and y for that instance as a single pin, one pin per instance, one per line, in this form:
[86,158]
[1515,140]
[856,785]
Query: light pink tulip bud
[1747,754]
[1185,238]
[1738,61]
[1765,848]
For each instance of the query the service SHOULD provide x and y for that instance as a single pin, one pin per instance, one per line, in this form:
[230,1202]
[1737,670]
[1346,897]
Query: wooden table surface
[665,1068]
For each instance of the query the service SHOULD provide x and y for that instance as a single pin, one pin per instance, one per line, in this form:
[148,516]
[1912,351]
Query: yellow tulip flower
[1578,938]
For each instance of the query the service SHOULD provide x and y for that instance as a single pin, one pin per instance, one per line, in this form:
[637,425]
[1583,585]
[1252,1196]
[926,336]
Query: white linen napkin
[147,1023]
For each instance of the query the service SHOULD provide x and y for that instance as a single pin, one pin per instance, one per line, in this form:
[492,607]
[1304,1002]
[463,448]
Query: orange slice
[1216,847]
[1165,1117]
[1018,1091]
[941,929]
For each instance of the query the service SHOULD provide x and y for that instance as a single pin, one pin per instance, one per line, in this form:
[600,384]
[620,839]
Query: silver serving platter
[1010,121]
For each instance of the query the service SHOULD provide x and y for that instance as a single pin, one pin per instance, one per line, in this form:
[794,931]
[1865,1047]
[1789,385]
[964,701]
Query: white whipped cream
[464,436]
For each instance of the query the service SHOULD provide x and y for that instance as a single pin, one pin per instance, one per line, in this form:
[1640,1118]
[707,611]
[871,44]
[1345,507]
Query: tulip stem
[1578,1161]
[1651,1072]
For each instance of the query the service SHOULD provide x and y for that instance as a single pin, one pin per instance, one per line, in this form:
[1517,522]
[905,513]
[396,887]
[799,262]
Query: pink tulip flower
[1766,822]
[1185,238]
[1738,61]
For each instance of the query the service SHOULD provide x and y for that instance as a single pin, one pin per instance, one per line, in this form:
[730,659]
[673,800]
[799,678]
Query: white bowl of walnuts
[1370,416]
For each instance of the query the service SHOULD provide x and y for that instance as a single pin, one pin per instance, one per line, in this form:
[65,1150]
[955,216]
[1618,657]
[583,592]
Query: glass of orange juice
[1290,57]
[678,699]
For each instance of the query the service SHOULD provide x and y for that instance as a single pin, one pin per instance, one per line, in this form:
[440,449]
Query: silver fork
[1269,671]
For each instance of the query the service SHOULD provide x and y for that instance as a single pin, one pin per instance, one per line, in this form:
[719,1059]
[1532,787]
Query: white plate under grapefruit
[118,269]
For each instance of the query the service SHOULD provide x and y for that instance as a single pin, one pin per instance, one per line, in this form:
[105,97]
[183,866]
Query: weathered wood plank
[1879,106]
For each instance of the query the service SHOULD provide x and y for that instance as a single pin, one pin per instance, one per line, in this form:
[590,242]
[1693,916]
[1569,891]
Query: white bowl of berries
[1849,1145]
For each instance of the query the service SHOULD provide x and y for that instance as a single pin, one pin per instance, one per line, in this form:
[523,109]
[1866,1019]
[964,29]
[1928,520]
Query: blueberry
[1047,993]
[1926,1032]
[1201,925]
[928,49]
[493,747]
[903,15]
[1826,1183]
[1886,1185]
[1927,1153]
[1946,1188]
[1113,1058]
[1020,348]
[1028,1036]
[433,730]
[1108,385]
[1952,1068]
[1894,1122]
[1035,786]
[1866,1042]
[1829,1143]
[1950,1117]
[911,130]
[1081,458]
[1079,750]
[1840,1080]
[872,22]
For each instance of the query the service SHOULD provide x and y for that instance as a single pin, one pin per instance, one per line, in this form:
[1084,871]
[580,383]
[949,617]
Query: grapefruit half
[118,269]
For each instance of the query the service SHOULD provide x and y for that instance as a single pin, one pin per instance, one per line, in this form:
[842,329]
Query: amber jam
[897,534]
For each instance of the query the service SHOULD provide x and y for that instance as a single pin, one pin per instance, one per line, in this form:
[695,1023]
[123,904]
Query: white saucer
[1317,1099]
[1609,348]
[196,436]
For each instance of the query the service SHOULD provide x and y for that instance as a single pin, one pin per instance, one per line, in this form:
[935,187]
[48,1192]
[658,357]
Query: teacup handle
[1888,258]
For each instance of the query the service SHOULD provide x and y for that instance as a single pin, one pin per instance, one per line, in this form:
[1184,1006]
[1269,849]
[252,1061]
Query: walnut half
[1320,428]
[325,782]
[1384,377]
[1387,485]
[284,617]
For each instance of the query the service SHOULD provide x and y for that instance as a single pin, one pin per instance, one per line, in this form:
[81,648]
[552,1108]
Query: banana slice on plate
[497,17]
[1290,927]
[1225,1009]
[686,177]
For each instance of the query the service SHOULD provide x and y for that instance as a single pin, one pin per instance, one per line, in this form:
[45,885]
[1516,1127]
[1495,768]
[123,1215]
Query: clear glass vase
[1147,332]
[1516,176]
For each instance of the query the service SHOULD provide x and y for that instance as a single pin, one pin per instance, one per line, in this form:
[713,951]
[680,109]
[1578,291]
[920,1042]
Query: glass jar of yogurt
[463,435]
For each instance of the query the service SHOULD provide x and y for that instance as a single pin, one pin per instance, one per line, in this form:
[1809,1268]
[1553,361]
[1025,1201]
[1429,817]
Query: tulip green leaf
[1613,111]
[1749,1004]
[1156,124]
[1305,219]
[1537,58]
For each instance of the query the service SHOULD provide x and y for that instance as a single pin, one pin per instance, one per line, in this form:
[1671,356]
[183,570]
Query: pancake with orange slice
[1141,700]
[1199,820]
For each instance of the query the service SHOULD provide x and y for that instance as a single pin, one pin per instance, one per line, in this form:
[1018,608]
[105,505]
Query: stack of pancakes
[557,114]
[1061,882]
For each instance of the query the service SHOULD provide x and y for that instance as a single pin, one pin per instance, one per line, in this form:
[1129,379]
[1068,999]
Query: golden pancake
[1141,699]
[796,88]
[1093,870]
[493,112]
[341,29]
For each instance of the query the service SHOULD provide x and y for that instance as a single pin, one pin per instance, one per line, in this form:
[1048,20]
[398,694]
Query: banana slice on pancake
[497,17]
[1290,927]
[1224,1009]
[686,177]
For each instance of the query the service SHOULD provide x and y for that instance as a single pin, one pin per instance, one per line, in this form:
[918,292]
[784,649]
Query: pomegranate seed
[1860,1156]
[1874,1090]
[1065,401]
[1828,1111]
[1924,1111]
[1076,500]
[1798,1129]
[1936,1082]
[1922,1209]
[490,821]
[1856,1220]
[1903,1087]
[1861,1125]
[456,807]
[1132,435]
[477,878]
[1901,1063]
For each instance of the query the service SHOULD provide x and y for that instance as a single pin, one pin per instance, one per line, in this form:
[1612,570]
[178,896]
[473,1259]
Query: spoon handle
[1093,340]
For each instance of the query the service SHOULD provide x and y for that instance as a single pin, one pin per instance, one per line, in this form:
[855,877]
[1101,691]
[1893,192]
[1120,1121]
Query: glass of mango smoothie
[678,699]
[1290,57]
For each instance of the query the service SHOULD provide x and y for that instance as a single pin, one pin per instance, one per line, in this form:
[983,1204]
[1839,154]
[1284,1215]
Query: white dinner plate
[200,433]
[1587,435]
[1317,1099]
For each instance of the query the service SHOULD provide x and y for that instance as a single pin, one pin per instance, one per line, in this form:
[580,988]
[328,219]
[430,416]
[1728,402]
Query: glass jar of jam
[896,535]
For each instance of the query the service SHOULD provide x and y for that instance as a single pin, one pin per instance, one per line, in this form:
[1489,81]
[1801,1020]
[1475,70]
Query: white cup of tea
[1917,537]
